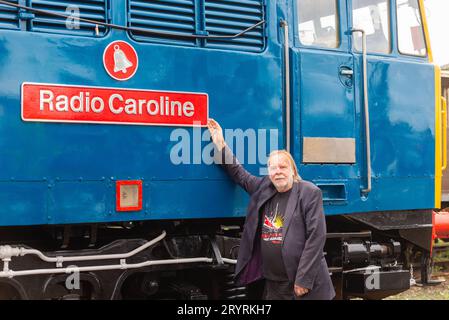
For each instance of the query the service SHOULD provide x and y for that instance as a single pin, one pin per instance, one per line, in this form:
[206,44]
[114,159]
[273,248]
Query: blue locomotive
[107,186]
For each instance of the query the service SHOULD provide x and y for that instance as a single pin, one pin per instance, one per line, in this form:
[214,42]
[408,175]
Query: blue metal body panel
[60,173]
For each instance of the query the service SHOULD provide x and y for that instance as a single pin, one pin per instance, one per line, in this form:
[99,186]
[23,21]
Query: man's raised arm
[229,162]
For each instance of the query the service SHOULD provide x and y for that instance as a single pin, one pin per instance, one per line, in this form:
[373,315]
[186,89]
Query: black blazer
[304,232]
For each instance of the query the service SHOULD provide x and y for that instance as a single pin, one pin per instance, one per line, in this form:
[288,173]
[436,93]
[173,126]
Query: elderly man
[285,228]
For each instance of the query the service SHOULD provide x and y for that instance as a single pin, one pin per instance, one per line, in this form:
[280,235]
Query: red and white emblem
[120,60]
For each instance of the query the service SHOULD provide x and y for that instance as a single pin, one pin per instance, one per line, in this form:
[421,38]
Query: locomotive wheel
[426,267]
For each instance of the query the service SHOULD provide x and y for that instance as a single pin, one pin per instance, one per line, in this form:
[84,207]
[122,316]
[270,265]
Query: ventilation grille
[228,17]
[87,9]
[217,17]
[9,16]
[169,16]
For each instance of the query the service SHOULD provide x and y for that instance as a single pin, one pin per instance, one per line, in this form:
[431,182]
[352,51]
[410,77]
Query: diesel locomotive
[106,190]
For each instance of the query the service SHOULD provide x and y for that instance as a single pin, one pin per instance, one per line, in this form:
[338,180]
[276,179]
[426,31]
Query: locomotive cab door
[325,127]
[364,104]
[396,94]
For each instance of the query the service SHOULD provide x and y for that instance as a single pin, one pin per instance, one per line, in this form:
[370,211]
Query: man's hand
[300,291]
[216,134]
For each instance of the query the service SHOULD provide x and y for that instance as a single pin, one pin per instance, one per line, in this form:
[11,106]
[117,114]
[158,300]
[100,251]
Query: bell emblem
[121,62]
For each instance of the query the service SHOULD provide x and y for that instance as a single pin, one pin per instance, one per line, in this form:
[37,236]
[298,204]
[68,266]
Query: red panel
[61,103]
[117,195]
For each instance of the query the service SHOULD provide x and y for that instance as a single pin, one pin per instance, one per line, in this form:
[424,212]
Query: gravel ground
[437,292]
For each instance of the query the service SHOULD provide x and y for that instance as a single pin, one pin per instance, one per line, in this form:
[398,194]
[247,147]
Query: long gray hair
[296,176]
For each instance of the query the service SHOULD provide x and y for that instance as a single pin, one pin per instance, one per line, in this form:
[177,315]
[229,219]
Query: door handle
[346,75]
[284,25]
[366,110]
[445,120]
[347,72]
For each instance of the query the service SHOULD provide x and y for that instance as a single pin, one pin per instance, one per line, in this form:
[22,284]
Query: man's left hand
[300,291]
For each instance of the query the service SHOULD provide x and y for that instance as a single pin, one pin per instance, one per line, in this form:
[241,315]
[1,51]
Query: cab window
[410,29]
[372,16]
[318,23]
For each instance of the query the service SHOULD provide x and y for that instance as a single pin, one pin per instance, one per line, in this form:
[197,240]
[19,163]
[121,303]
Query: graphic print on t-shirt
[272,225]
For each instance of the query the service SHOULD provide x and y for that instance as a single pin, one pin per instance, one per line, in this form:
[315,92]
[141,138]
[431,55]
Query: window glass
[410,31]
[318,23]
[373,17]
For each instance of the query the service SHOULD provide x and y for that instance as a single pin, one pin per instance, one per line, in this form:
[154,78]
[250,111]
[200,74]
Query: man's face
[280,172]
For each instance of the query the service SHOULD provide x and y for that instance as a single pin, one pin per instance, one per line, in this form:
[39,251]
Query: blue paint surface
[54,173]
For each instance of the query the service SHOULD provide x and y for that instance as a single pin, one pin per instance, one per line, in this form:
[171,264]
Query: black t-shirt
[271,236]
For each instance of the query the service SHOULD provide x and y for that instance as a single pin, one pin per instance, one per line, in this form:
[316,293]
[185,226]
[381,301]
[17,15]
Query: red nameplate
[63,103]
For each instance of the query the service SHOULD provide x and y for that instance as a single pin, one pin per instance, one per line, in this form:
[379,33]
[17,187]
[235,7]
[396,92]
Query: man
[285,228]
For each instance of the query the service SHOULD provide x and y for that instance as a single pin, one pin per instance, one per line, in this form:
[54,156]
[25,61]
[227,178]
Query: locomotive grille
[187,17]
[228,17]
[9,17]
[87,9]
[173,16]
